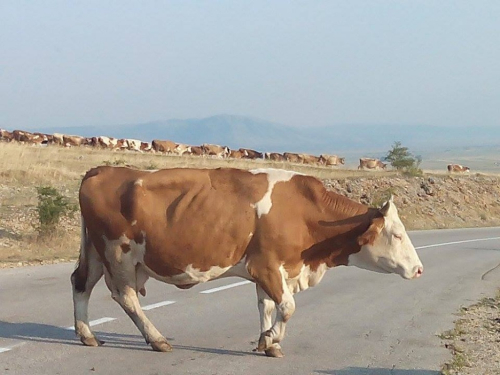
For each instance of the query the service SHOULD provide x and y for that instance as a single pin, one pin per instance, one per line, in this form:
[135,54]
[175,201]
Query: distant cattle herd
[171,147]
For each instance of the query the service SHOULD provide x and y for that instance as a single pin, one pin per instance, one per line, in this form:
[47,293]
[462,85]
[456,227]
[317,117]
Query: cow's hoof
[91,341]
[274,352]
[265,341]
[161,346]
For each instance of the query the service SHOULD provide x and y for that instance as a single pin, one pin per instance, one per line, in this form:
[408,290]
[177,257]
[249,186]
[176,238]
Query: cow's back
[185,217]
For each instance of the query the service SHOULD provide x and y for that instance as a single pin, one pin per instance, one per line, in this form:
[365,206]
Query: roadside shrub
[52,206]
[115,162]
[382,196]
[152,166]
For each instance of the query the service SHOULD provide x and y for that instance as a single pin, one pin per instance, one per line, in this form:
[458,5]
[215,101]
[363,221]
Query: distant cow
[181,149]
[274,156]
[73,140]
[22,136]
[146,147]
[6,135]
[457,168]
[331,159]
[109,143]
[130,144]
[166,147]
[292,157]
[196,150]
[251,154]
[309,159]
[235,154]
[215,150]
[369,163]
[275,228]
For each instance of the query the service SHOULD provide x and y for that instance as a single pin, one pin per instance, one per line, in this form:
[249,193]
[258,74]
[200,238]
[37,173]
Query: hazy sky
[300,63]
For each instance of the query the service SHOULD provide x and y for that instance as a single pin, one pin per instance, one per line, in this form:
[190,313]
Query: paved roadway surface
[353,322]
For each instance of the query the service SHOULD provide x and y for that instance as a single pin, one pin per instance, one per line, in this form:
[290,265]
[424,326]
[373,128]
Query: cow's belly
[192,276]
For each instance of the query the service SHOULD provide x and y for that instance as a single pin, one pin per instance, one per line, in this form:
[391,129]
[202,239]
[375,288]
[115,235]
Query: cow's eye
[398,236]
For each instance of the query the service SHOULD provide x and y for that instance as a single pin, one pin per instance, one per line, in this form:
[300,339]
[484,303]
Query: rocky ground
[429,202]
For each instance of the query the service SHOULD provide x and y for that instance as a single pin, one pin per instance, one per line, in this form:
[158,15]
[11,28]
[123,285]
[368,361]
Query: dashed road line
[159,304]
[456,242]
[95,322]
[213,290]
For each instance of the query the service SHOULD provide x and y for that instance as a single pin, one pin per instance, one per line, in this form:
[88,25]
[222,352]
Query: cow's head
[386,247]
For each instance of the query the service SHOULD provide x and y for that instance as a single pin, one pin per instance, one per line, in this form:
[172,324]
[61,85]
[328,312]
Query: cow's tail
[79,276]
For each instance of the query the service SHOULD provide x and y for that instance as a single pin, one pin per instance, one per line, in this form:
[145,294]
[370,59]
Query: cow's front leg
[274,290]
[266,307]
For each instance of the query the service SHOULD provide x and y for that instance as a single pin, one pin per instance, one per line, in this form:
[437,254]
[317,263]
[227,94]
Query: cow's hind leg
[273,283]
[122,280]
[86,275]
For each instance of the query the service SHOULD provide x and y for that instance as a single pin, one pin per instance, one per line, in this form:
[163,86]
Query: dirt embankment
[430,202]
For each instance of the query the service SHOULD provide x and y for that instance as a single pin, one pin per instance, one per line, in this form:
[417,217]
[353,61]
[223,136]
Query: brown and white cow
[6,135]
[292,157]
[130,144]
[370,163]
[274,156]
[215,150]
[331,159]
[309,159]
[457,168]
[236,154]
[22,136]
[196,151]
[73,140]
[181,149]
[251,154]
[276,228]
[167,147]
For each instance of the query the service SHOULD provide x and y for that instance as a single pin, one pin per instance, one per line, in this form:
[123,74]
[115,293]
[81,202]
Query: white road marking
[95,322]
[155,305]
[455,242]
[208,291]
[8,348]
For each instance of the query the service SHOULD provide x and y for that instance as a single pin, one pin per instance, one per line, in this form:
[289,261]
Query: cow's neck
[336,228]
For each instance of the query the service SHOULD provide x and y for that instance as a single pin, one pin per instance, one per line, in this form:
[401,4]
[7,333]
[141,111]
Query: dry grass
[24,164]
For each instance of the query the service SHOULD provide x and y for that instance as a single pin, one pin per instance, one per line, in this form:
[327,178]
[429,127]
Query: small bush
[115,162]
[382,196]
[52,205]
[152,166]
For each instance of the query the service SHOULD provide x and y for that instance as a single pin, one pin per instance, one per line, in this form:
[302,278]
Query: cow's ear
[372,232]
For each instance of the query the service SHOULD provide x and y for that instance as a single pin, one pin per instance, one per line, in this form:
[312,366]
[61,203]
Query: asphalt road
[353,322]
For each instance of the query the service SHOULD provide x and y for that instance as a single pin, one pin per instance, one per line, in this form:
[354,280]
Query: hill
[241,131]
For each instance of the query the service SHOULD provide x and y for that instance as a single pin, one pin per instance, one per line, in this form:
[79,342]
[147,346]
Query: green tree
[403,160]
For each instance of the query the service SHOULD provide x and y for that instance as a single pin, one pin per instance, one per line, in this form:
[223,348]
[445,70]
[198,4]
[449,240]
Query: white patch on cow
[138,182]
[391,252]
[191,275]
[273,176]
[306,278]
[133,223]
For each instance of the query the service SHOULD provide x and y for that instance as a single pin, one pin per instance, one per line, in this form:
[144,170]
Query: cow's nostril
[419,272]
